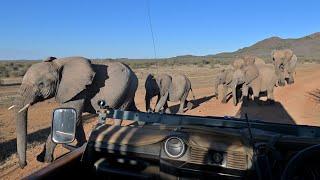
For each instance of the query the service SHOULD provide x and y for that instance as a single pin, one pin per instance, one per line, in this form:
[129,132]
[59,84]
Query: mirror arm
[103,112]
[69,147]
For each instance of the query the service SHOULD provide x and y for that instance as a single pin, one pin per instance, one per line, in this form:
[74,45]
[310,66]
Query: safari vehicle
[165,146]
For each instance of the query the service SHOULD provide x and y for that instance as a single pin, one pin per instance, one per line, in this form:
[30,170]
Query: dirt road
[295,104]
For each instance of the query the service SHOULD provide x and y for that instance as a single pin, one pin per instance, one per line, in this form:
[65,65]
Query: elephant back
[179,87]
[116,83]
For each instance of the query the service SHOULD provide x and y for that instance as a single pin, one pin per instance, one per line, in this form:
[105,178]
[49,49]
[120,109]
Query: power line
[151,29]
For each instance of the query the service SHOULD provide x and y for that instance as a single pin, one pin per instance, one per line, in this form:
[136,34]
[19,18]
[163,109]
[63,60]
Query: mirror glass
[64,125]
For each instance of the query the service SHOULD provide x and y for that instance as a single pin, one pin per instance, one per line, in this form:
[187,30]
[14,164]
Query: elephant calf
[224,78]
[74,82]
[168,88]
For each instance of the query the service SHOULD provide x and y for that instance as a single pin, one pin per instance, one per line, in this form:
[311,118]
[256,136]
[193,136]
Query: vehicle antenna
[249,128]
[152,34]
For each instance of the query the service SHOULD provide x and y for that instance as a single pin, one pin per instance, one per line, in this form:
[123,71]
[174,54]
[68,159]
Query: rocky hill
[307,47]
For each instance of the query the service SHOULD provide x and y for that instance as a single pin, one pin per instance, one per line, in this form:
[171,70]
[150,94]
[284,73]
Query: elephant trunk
[234,92]
[21,129]
[22,102]
[290,79]
[280,75]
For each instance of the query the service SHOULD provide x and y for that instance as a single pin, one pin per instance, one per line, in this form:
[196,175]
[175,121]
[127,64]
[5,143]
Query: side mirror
[64,125]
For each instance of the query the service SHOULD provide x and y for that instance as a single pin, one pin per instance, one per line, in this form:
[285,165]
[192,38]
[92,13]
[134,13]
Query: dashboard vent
[198,156]
[237,160]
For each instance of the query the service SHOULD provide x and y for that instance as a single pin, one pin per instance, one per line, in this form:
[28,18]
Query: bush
[14,74]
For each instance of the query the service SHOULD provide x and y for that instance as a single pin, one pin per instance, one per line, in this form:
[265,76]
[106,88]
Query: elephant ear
[229,76]
[76,75]
[292,63]
[251,73]
[288,54]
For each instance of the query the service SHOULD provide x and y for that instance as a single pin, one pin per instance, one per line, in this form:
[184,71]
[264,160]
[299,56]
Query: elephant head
[285,63]
[152,89]
[62,78]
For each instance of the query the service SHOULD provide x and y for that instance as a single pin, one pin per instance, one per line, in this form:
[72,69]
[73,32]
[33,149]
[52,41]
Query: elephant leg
[182,103]
[189,105]
[80,134]
[47,153]
[161,102]
[181,109]
[132,106]
[78,106]
[224,90]
[50,146]
[166,108]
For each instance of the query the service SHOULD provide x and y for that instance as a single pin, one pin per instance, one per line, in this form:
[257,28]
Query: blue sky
[34,29]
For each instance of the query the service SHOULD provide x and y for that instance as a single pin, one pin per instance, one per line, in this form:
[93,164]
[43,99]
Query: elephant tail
[194,97]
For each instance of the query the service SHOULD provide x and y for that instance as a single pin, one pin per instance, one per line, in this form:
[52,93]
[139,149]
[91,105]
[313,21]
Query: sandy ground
[295,104]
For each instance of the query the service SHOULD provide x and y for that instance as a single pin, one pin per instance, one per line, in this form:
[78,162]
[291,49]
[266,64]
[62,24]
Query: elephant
[285,62]
[167,88]
[244,73]
[74,82]
[224,78]
[259,77]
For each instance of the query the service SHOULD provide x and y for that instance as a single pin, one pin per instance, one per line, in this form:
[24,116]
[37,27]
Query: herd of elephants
[78,83]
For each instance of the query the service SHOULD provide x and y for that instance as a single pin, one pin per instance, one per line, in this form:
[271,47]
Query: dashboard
[167,152]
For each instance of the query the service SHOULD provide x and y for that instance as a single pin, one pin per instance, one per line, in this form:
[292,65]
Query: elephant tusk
[235,85]
[24,108]
[11,107]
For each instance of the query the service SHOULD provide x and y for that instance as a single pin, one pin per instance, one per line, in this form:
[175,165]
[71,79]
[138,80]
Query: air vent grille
[198,156]
[237,160]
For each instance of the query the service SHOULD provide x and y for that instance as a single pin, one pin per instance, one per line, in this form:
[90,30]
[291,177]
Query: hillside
[307,47]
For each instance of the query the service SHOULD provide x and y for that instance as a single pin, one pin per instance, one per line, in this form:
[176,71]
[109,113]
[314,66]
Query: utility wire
[151,29]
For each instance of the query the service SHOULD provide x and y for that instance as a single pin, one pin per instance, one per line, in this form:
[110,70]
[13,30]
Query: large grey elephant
[74,82]
[168,88]
[285,62]
[259,77]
